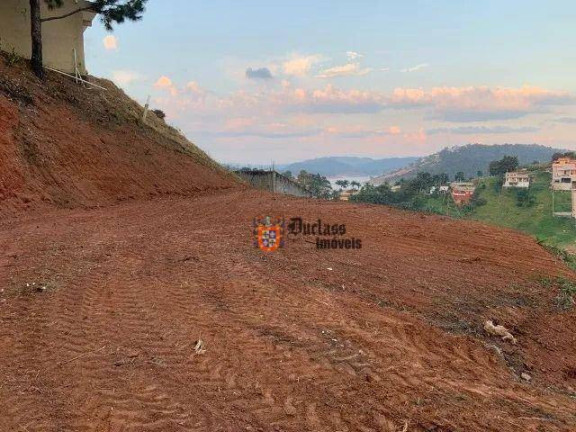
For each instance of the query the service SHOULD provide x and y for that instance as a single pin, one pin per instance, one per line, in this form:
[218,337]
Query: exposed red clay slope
[387,338]
[64,145]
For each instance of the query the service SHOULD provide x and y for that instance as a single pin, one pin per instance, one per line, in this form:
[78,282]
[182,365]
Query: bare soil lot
[386,338]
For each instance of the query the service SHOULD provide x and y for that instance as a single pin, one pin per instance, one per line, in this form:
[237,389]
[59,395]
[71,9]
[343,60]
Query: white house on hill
[63,39]
[563,173]
[519,179]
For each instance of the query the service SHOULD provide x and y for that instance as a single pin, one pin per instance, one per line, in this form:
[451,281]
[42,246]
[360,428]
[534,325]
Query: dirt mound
[385,338]
[64,145]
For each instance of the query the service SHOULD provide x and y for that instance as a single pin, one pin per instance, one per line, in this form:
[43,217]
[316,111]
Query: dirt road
[385,338]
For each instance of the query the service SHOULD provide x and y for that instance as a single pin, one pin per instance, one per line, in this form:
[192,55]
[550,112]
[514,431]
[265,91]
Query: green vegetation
[317,184]
[558,155]
[504,165]
[567,293]
[566,298]
[527,210]
[342,183]
[413,194]
[160,114]
[111,12]
[472,160]
[12,58]
[567,257]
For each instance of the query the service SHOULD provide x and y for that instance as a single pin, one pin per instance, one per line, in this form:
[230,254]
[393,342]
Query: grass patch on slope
[502,209]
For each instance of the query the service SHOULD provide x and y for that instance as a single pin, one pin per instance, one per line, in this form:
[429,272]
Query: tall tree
[36,33]
[319,185]
[504,165]
[111,12]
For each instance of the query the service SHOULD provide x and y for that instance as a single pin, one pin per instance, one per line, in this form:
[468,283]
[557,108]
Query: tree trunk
[36,32]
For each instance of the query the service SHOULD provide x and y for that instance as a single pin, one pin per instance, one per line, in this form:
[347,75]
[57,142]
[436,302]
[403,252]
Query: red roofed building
[462,192]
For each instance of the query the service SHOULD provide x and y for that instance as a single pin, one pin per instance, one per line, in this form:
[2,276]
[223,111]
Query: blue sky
[255,81]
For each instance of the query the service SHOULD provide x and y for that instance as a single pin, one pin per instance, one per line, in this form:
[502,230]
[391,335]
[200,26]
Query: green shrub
[567,293]
[160,114]
[564,255]
[12,58]
[524,198]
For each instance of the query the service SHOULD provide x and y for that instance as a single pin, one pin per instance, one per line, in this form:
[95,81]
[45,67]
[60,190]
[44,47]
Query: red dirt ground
[63,145]
[392,334]
[385,338]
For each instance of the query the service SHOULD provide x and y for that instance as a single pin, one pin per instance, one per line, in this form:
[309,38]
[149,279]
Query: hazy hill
[349,165]
[470,159]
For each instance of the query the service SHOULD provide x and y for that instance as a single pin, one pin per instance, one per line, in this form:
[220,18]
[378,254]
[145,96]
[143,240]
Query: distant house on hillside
[517,179]
[443,189]
[563,173]
[63,39]
[347,194]
[462,192]
[273,181]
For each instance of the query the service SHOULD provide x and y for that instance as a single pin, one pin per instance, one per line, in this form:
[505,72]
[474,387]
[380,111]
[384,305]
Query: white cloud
[110,43]
[416,68]
[194,87]
[359,132]
[300,65]
[353,55]
[197,93]
[465,104]
[450,104]
[477,130]
[165,83]
[350,69]
[125,77]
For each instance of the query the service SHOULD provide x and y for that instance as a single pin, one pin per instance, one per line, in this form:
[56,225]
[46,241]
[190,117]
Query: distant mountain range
[469,159]
[348,166]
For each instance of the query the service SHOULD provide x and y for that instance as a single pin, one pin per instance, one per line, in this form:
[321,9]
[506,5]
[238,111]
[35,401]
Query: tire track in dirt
[472,355]
[138,402]
[287,345]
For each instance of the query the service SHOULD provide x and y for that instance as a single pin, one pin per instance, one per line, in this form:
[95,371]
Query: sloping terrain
[157,313]
[469,159]
[64,145]
[527,210]
[298,340]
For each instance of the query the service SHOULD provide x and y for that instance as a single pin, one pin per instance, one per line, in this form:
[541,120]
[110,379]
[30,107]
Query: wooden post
[146,108]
